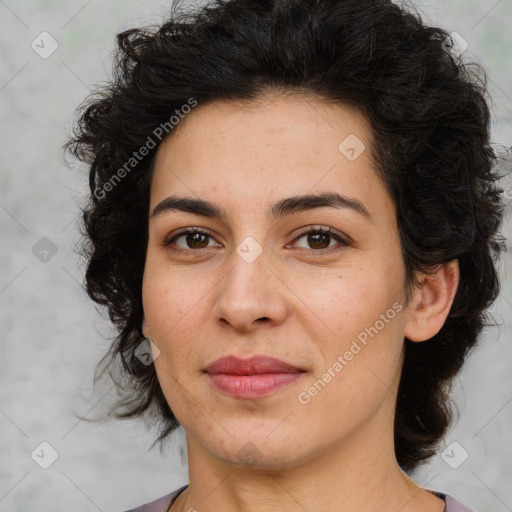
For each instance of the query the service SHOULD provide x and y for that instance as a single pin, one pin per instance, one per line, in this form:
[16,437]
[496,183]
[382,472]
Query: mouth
[251,378]
[253,366]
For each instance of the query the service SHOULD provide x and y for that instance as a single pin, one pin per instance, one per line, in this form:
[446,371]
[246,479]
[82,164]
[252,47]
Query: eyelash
[316,230]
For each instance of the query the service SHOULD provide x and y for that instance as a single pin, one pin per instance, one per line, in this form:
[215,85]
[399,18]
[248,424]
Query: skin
[292,302]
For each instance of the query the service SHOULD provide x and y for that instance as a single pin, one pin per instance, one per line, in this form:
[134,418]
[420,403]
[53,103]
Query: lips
[254,366]
[251,378]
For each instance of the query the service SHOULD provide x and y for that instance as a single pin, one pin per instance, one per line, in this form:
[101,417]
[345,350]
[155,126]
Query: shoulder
[452,505]
[161,504]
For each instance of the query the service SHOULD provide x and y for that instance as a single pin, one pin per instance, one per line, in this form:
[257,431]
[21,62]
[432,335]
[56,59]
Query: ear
[145,327]
[431,303]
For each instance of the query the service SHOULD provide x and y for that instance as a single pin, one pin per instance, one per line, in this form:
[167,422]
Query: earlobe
[431,303]
[145,326]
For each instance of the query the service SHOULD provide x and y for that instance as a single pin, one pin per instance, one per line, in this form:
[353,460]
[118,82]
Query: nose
[251,292]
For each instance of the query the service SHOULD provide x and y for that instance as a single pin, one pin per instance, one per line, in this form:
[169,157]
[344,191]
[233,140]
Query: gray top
[163,504]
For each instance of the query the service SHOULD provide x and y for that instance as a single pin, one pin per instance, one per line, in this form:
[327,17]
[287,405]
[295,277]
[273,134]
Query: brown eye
[196,240]
[320,239]
[193,239]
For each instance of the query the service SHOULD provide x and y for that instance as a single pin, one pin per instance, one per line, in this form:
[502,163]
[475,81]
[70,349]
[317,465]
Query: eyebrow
[279,209]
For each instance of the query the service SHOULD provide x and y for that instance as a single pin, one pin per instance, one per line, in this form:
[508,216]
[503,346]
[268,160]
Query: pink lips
[251,378]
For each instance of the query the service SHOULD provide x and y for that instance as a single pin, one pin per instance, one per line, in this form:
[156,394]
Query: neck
[340,479]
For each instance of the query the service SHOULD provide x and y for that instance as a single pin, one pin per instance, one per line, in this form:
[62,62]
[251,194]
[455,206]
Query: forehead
[267,148]
[301,123]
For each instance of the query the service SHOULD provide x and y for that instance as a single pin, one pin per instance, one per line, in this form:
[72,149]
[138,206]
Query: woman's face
[331,305]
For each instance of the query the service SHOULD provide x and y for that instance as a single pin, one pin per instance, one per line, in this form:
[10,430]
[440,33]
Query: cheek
[356,314]
[169,299]
[350,299]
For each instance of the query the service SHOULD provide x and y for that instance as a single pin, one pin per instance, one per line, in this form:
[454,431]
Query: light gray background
[52,336]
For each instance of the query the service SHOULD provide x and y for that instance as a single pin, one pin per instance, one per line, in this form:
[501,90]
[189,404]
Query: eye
[193,239]
[320,239]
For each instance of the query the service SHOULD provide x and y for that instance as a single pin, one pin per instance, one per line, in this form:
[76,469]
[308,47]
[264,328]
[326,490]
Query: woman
[293,218]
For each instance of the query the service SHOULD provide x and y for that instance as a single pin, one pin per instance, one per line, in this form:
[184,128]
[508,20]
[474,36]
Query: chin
[258,450]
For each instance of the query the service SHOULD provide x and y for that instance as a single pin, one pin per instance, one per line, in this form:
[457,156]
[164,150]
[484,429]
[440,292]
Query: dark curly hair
[430,119]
